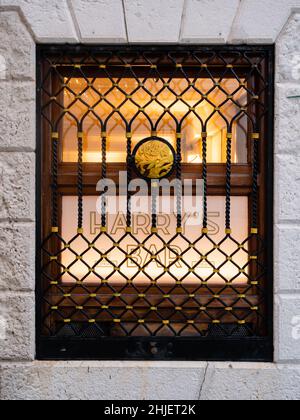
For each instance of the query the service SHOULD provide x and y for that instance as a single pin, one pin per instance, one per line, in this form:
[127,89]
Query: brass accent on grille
[154,159]
[123,295]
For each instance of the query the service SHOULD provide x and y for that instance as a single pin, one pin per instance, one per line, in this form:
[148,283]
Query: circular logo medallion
[154,158]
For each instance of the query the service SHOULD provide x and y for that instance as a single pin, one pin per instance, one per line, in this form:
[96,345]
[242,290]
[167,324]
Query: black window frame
[163,348]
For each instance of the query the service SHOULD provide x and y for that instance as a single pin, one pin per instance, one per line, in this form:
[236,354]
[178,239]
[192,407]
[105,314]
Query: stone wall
[23,23]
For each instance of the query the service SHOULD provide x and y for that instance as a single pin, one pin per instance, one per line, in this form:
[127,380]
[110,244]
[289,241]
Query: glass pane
[141,229]
[94,102]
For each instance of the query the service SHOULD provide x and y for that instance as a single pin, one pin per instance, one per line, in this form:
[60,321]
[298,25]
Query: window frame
[162,348]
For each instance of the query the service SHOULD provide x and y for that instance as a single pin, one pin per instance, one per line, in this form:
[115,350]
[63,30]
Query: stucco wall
[23,23]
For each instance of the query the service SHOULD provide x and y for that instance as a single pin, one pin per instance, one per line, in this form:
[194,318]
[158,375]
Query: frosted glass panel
[141,229]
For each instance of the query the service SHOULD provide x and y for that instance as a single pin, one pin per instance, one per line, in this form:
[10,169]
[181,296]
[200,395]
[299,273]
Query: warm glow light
[116,130]
[141,230]
[90,157]
[191,145]
[194,159]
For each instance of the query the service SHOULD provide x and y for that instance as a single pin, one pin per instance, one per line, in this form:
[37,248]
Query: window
[187,283]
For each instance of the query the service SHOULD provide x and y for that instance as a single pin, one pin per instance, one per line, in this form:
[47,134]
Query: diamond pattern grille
[95,304]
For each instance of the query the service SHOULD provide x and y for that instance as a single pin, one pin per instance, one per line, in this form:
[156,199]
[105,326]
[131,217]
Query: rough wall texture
[162,21]
[25,22]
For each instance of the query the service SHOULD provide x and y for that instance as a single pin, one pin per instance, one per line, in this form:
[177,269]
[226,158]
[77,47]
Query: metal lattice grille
[156,299]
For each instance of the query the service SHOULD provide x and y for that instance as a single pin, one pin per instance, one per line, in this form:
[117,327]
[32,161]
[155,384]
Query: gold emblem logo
[154,158]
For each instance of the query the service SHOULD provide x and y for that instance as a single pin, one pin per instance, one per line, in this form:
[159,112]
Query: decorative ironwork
[154,158]
[207,287]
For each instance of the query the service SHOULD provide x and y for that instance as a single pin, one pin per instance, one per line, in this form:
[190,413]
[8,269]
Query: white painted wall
[23,23]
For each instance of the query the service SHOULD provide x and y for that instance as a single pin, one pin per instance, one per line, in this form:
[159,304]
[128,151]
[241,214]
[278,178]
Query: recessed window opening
[186,283]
